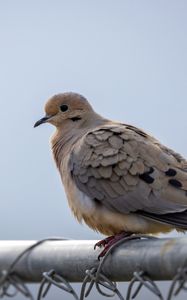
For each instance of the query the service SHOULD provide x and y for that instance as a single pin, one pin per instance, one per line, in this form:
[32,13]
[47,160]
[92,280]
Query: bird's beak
[42,120]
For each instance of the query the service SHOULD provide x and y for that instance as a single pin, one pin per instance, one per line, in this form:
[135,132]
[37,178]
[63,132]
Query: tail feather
[178,219]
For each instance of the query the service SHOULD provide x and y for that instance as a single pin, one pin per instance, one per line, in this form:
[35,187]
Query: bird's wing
[127,170]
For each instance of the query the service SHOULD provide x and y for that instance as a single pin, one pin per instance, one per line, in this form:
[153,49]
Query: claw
[108,242]
[104,251]
[104,242]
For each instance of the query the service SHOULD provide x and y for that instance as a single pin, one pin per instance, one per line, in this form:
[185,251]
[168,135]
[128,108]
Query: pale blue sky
[129,58]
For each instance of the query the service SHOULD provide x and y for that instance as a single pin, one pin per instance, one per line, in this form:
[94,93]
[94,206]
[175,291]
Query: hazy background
[129,58]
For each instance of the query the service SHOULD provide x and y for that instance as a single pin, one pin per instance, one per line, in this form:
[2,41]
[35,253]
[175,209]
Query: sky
[129,58]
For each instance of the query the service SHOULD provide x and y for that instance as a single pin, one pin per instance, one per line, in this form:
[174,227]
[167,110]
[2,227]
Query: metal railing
[61,262]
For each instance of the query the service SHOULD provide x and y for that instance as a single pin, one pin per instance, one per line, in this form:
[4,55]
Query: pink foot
[104,242]
[108,242]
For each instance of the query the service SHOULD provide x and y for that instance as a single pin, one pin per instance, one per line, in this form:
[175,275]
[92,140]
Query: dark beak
[41,121]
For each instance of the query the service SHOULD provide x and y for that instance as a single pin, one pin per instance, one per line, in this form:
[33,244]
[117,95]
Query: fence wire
[11,284]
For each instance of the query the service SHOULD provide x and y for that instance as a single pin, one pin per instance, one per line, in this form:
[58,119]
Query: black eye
[64,107]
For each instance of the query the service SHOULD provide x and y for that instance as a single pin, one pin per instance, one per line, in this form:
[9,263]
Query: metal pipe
[160,258]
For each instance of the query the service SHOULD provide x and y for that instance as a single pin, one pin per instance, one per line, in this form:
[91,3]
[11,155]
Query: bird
[118,179]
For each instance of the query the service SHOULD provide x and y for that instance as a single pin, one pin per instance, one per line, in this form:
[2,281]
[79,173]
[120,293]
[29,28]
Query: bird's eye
[64,107]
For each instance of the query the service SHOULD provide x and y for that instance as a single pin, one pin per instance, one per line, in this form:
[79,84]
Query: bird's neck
[61,144]
[64,139]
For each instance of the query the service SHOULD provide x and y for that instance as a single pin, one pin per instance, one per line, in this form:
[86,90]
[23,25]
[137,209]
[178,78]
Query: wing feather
[127,170]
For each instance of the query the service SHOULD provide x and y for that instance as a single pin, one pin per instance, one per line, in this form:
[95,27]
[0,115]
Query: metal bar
[160,258]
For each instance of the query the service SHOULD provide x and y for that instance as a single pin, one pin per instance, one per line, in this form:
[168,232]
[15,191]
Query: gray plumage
[116,176]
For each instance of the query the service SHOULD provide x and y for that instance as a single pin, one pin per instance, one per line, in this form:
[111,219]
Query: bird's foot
[108,242]
[104,242]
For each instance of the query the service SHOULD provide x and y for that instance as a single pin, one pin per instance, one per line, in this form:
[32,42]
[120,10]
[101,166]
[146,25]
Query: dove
[118,179]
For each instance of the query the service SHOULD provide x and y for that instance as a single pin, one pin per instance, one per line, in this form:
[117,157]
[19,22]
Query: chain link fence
[59,262]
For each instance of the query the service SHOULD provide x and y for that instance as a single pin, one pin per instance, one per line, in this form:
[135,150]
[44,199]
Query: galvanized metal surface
[160,258]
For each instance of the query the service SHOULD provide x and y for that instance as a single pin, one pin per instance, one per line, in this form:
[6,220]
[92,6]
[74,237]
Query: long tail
[178,219]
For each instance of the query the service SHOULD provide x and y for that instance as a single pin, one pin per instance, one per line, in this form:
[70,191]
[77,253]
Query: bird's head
[66,109]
